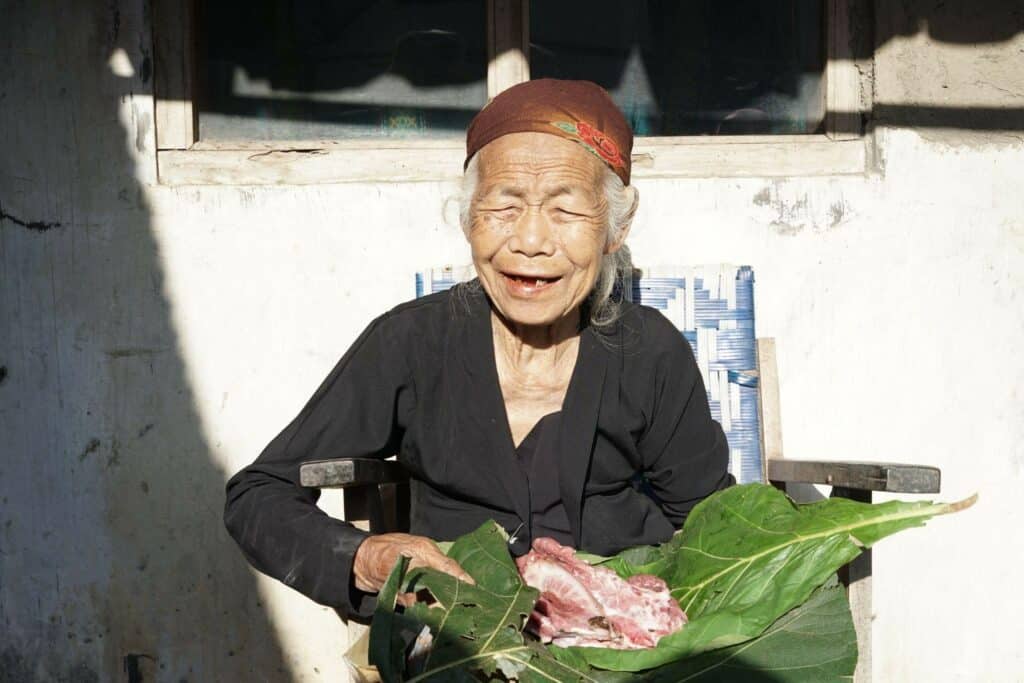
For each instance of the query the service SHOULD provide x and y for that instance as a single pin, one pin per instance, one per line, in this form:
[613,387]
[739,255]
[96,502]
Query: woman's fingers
[435,559]
[377,555]
[455,569]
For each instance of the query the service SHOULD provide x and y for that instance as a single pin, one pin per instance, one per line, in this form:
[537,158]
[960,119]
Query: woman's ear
[627,221]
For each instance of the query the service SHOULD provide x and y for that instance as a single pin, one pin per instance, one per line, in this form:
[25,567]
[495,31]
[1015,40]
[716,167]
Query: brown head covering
[580,111]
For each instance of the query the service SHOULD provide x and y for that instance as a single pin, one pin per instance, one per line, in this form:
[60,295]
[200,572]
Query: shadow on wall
[114,562]
[964,23]
[960,22]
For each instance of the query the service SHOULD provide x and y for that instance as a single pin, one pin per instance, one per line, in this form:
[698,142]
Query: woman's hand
[377,556]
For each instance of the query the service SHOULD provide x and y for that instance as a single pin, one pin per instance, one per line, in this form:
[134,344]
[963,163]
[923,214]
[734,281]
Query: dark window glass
[699,67]
[303,69]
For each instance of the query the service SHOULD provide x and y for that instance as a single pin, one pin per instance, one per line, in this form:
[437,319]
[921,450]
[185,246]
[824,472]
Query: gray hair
[622,201]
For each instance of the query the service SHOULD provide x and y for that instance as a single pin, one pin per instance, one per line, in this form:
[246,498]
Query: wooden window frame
[182,159]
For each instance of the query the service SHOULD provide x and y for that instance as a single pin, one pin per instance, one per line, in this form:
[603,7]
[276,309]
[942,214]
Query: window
[700,67]
[289,91]
[340,70]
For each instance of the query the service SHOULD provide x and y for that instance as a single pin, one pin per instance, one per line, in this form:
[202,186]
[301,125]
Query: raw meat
[586,606]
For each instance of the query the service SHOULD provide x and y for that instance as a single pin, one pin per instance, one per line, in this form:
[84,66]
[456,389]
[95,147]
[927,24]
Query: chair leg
[394,507]
[364,502]
[856,576]
[403,504]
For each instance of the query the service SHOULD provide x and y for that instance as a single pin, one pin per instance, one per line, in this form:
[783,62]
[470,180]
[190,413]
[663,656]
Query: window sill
[317,162]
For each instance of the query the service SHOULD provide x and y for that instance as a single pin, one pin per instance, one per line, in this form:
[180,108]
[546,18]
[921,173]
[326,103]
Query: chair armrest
[865,476]
[346,472]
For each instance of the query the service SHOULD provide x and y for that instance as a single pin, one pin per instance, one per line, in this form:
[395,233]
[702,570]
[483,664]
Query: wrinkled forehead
[538,163]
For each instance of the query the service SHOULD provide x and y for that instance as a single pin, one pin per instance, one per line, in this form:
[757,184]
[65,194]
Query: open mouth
[526,283]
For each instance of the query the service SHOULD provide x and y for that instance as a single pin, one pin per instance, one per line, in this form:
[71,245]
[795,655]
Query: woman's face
[538,226]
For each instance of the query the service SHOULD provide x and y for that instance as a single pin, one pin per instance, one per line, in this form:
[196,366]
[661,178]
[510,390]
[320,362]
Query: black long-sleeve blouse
[421,383]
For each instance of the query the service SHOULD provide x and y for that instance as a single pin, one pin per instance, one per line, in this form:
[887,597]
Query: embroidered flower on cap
[594,140]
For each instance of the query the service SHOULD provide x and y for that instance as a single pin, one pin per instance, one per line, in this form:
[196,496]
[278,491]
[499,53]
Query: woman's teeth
[536,282]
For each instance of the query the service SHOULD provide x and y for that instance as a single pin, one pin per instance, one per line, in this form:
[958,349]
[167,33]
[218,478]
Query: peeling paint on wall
[133,667]
[90,448]
[36,226]
[789,207]
[836,213]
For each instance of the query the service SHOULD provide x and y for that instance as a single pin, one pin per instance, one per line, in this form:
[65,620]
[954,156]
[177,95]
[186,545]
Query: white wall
[158,337]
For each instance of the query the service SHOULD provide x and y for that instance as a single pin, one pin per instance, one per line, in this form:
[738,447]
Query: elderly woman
[527,396]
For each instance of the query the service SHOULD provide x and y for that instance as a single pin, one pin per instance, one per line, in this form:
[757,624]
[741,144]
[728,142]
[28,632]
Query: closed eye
[505,212]
[567,215]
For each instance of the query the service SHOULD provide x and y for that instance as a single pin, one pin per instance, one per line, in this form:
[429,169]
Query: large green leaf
[390,634]
[814,643]
[748,555]
[474,627]
[477,629]
[748,567]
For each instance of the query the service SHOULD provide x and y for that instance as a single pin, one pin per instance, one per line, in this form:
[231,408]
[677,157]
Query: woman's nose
[533,235]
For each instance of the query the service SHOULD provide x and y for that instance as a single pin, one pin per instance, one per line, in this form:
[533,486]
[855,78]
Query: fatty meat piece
[586,606]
